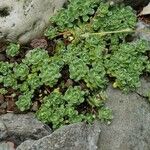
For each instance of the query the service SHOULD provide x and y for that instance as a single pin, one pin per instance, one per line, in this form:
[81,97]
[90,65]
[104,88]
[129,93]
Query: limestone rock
[21,127]
[23,20]
[79,136]
[145,87]
[143,31]
[3,130]
[130,128]
[7,146]
[26,144]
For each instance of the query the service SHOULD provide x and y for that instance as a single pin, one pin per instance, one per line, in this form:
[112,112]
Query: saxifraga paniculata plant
[90,38]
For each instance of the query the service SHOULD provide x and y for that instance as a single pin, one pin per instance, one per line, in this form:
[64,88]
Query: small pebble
[35,106]
[69,83]
[39,43]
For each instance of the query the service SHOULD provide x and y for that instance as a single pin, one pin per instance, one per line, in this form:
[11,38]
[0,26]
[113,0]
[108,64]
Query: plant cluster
[13,49]
[90,38]
[127,64]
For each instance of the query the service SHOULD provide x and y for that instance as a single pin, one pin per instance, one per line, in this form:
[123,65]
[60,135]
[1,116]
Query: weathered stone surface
[3,130]
[7,146]
[78,136]
[130,128]
[21,127]
[145,87]
[143,34]
[23,20]
[26,145]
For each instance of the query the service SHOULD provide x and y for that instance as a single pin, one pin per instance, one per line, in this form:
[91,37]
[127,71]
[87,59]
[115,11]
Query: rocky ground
[129,129]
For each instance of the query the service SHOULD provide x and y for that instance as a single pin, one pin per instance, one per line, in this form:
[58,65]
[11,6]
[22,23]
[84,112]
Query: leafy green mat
[92,48]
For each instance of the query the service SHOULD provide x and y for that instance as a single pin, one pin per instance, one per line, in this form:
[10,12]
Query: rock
[26,144]
[143,34]
[2,111]
[35,106]
[79,136]
[4,105]
[23,20]
[7,146]
[39,43]
[21,127]
[130,128]
[145,11]
[145,87]
[3,130]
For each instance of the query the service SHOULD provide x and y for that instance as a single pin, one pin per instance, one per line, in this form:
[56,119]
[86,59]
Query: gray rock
[144,88]
[3,130]
[143,31]
[21,127]
[7,146]
[23,20]
[26,145]
[130,128]
[78,136]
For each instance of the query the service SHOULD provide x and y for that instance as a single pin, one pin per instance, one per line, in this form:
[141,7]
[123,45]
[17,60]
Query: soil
[7,102]
[145,18]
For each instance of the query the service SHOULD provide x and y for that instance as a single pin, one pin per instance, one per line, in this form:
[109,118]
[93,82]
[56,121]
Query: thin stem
[128,30]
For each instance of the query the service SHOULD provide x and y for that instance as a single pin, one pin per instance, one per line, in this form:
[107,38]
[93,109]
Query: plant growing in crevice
[90,38]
